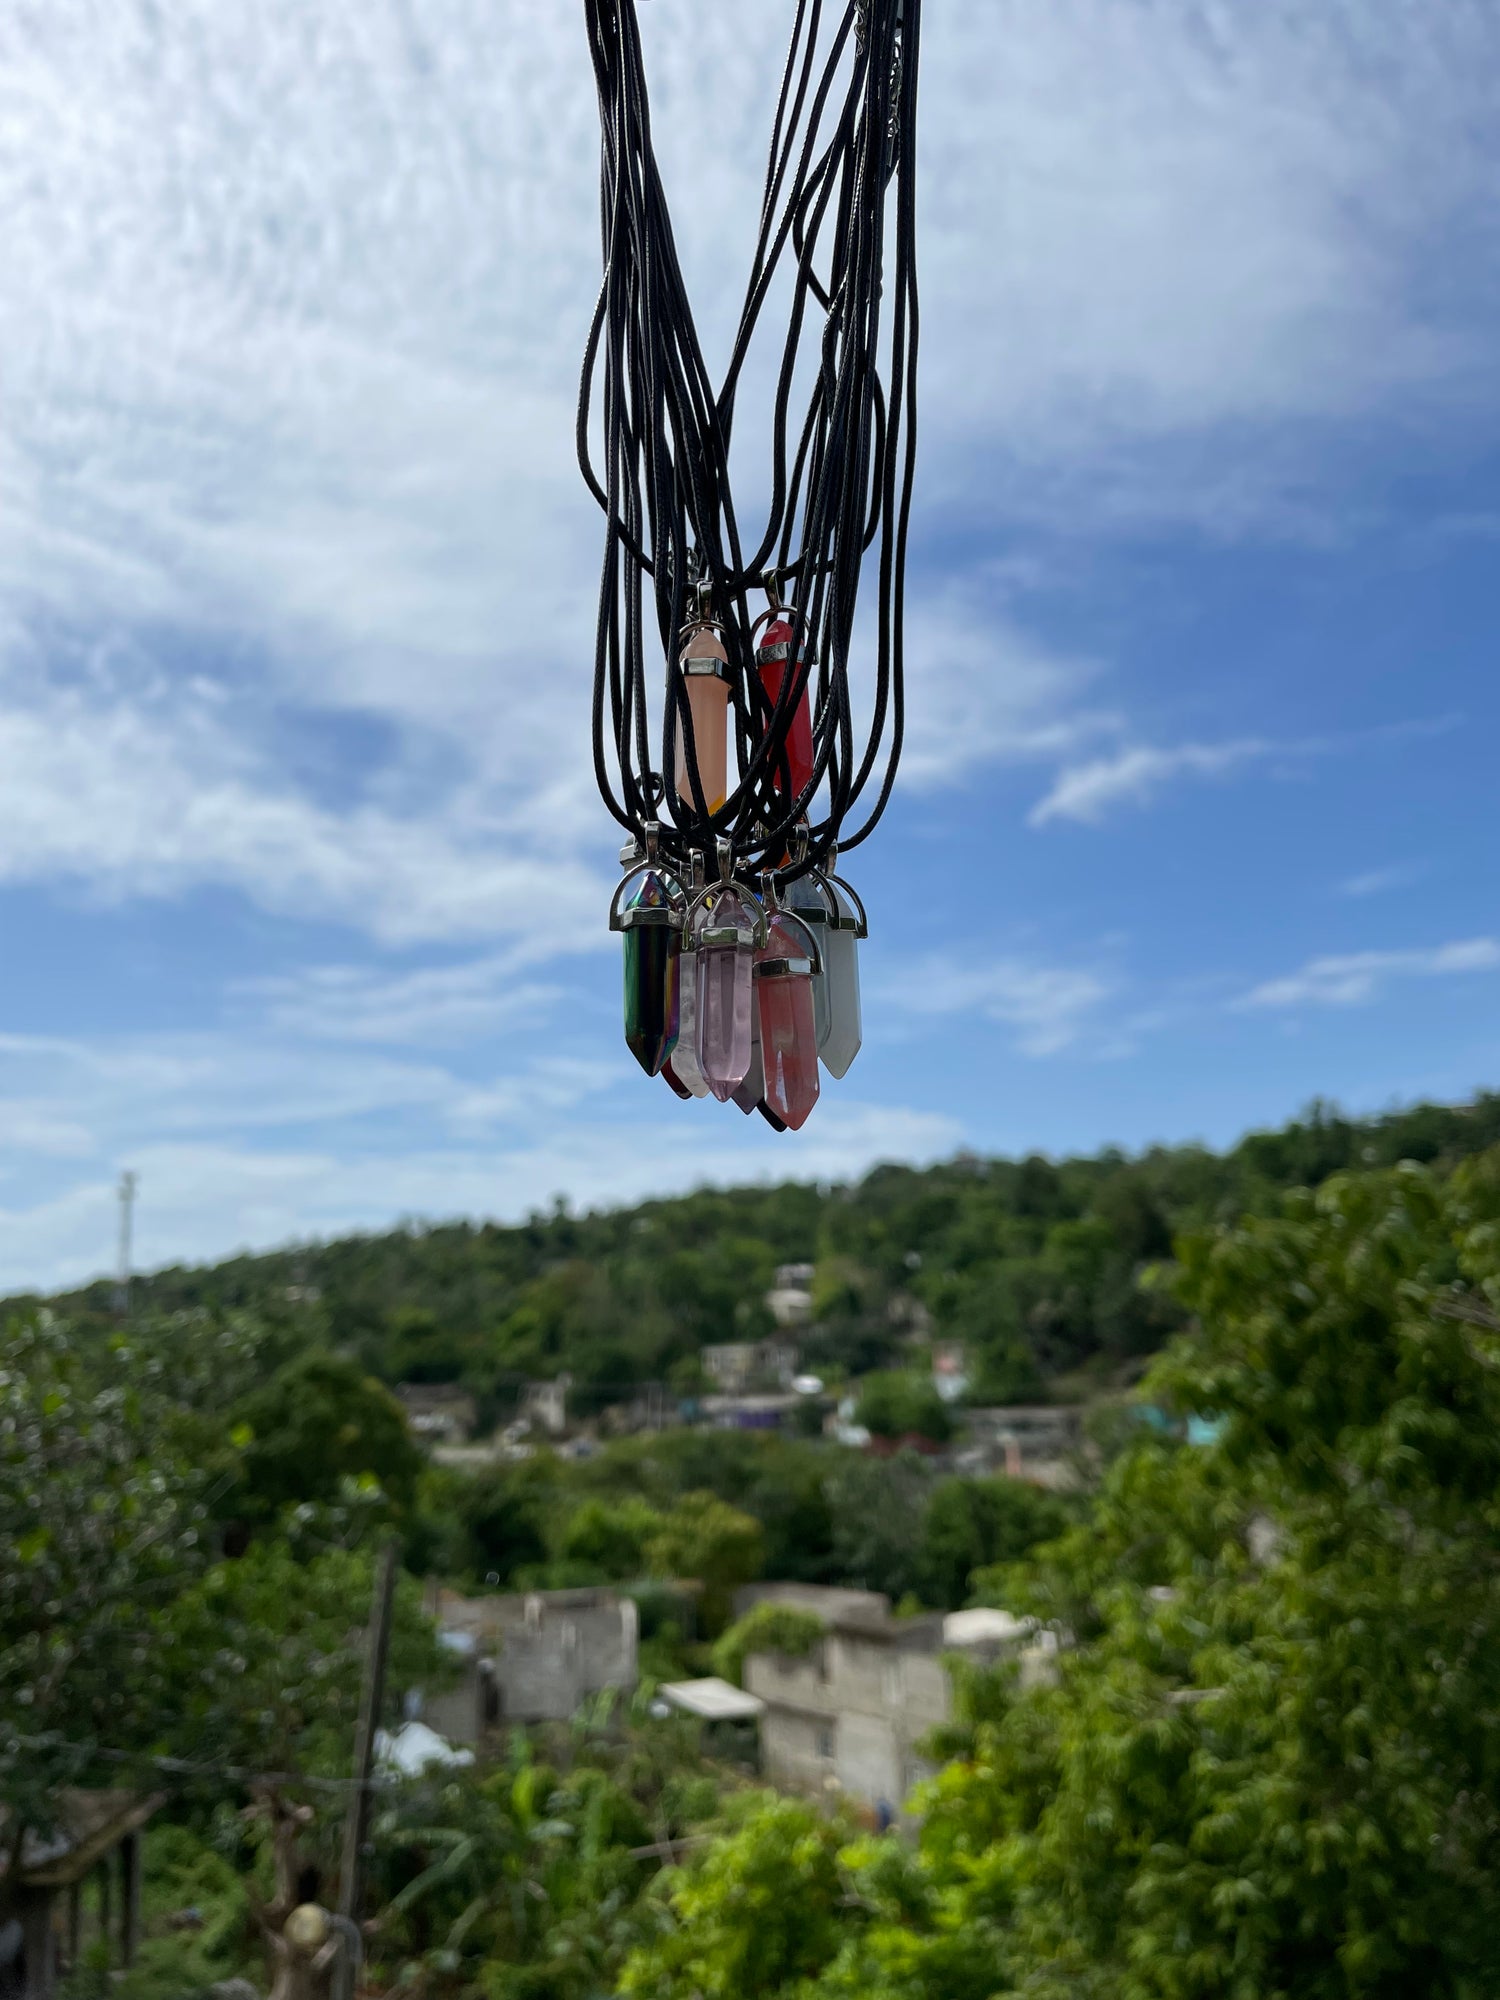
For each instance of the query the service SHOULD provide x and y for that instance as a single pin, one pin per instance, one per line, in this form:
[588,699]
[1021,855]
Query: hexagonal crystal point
[807,899]
[651,953]
[753,1087]
[686,1077]
[708,701]
[845,1023]
[723,997]
[788,1025]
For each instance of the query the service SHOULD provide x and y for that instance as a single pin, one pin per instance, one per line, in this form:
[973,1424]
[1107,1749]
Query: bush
[766,1628]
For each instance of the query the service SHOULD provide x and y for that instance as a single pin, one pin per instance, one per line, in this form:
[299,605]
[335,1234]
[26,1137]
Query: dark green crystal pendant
[651,997]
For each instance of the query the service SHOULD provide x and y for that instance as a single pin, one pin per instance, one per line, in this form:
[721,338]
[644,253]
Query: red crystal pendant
[788,1025]
[775,657]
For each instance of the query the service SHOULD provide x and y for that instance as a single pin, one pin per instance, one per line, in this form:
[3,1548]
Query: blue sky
[302,880]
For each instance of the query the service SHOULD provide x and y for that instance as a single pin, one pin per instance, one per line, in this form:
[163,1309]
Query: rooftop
[713,1700]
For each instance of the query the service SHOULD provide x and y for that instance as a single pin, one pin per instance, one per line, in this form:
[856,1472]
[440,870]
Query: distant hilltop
[1036,1271]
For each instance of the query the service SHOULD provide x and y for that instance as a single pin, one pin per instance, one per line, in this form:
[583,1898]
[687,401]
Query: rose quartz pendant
[788,1026]
[705,672]
[725,945]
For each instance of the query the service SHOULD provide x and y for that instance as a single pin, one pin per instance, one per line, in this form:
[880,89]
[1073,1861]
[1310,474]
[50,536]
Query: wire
[842,149]
[190,1768]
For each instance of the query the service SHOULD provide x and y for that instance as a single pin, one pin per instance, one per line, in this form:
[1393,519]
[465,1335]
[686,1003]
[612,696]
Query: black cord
[841,153]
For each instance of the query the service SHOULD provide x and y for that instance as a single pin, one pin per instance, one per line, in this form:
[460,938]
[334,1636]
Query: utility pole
[357,1825]
[127,1216]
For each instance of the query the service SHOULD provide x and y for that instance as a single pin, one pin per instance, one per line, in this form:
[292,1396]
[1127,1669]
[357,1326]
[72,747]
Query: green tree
[316,1424]
[268,1654]
[879,1506]
[1269,1768]
[610,1538]
[763,1911]
[706,1539]
[101,1526]
[502,1509]
[897,1405]
[977,1524]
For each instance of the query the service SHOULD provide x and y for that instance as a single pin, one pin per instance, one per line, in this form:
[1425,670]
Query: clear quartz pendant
[811,905]
[841,960]
[725,937]
[788,1027]
[687,1077]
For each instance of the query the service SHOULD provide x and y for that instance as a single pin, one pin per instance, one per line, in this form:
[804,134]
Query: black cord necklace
[756,755]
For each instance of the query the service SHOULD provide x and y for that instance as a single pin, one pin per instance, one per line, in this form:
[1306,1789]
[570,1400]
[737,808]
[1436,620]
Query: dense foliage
[1269,1764]
[1032,1263]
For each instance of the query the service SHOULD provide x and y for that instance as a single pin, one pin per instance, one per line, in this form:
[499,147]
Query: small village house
[97,1840]
[534,1657]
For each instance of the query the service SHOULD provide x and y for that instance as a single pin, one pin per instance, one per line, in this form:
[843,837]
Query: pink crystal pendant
[788,1025]
[724,938]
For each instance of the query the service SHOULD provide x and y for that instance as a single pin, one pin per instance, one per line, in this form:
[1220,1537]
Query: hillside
[1033,1263]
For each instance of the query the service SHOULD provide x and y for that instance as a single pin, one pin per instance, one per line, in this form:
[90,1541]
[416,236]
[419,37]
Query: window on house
[825,1741]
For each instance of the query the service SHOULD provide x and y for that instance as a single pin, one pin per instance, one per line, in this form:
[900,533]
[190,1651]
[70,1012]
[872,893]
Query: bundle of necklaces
[742,737]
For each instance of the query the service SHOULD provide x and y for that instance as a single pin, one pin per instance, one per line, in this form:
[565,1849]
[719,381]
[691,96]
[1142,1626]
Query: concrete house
[535,1657]
[437,1412]
[852,1714]
[736,1365]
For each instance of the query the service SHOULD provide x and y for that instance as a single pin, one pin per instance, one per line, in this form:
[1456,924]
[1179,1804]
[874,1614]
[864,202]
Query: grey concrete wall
[547,1666]
[868,1700]
[792,1749]
[457,1712]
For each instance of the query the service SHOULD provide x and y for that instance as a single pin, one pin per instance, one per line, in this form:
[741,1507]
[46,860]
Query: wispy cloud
[243,1142]
[1133,776]
[279,404]
[983,691]
[472,1000]
[1136,773]
[1353,978]
[150,799]
[1050,1007]
[1377,881]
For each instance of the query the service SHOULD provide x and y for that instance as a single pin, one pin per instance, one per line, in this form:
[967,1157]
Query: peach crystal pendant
[705,673]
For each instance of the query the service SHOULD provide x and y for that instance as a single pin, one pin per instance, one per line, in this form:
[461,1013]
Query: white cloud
[981,691]
[1351,979]
[433,1004]
[1050,1007]
[149,800]
[205,1198]
[1133,776]
[293,307]
[1376,881]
